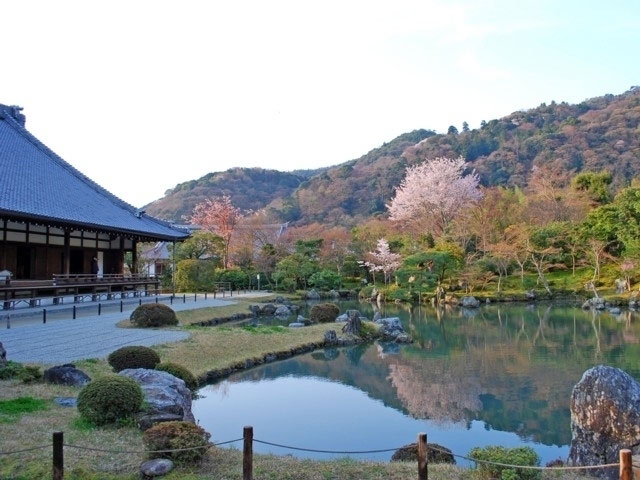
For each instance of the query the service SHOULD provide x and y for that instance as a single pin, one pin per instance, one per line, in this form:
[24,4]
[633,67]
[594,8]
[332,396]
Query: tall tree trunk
[538,264]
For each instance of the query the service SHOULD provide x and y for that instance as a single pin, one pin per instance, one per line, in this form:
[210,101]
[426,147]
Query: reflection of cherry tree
[383,260]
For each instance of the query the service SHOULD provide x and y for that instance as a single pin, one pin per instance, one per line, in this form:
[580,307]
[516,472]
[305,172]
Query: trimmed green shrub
[18,371]
[153,315]
[110,399]
[513,456]
[175,435]
[324,313]
[133,357]
[181,372]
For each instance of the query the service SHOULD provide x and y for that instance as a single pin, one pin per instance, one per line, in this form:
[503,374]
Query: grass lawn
[211,348]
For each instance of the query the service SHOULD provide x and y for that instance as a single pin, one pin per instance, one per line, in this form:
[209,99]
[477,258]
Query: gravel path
[65,341]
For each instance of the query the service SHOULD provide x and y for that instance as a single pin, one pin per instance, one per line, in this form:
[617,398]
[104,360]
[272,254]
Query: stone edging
[219,373]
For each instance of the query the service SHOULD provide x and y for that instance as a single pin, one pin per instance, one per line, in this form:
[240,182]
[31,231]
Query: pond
[498,375]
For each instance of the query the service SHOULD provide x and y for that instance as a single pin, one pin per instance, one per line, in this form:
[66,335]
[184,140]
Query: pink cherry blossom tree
[219,216]
[437,191]
[382,259]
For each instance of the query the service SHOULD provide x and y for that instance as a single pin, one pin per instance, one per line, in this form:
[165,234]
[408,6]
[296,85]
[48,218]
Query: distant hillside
[249,188]
[601,133]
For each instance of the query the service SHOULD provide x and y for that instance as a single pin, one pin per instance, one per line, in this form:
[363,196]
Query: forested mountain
[601,133]
[249,189]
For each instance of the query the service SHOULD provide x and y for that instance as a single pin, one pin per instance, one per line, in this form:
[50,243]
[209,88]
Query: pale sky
[141,95]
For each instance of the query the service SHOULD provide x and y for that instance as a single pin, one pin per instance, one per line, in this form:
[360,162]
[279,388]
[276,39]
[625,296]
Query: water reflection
[503,374]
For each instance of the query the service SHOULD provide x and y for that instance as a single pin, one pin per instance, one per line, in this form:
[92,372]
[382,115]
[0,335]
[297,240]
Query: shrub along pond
[497,375]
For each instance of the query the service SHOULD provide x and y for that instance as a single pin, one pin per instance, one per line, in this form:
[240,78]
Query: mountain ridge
[600,133]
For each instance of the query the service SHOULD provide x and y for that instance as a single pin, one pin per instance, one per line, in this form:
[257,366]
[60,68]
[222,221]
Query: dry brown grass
[210,348]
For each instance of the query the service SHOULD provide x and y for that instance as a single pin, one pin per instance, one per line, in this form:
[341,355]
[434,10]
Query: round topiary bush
[181,372]
[175,435]
[133,357]
[110,399]
[153,315]
[324,313]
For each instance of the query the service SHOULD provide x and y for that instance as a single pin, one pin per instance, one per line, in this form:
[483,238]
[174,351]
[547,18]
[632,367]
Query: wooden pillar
[247,454]
[121,256]
[626,466]
[134,256]
[66,252]
[423,463]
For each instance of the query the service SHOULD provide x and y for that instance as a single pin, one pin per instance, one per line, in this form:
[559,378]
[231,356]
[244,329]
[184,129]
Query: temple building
[56,221]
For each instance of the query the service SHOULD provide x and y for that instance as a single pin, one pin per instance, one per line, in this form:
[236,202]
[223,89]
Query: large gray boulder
[163,393]
[282,311]
[469,302]
[605,417]
[268,309]
[391,329]
[3,356]
[66,374]
[330,337]
[313,294]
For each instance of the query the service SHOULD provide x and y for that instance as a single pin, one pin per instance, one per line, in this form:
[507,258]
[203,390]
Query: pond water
[499,375]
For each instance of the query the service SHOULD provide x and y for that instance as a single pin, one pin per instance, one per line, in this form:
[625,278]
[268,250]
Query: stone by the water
[163,393]
[342,318]
[67,402]
[268,309]
[469,302]
[282,311]
[296,325]
[66,374]
[156,468]
[330,337]
[313,294]
[605,417]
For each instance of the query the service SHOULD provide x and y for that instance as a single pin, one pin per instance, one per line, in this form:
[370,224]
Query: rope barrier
[326,451]
[104,450]
[339,452]
[14,452]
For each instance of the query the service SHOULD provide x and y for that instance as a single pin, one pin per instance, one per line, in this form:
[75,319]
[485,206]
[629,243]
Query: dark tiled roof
[37,183]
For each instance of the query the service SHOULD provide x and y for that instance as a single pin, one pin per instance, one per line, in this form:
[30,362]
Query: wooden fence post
[626,468]
[247,454]
[58,456]
[423,464]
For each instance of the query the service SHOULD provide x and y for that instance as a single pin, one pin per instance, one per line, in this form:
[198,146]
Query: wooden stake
[247,454]
[423,465]
[58,456]
[626,467]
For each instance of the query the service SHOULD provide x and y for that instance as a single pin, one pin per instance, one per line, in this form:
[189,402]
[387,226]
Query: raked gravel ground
[65,341]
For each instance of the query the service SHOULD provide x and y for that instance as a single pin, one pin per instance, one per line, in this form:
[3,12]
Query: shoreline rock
[163,393]
[605,417]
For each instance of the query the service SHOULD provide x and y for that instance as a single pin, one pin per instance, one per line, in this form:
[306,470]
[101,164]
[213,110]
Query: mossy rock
[153,315]
[409,453]
[109,400]
[177,435]
[181,372]
[133,357]
[324,313]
